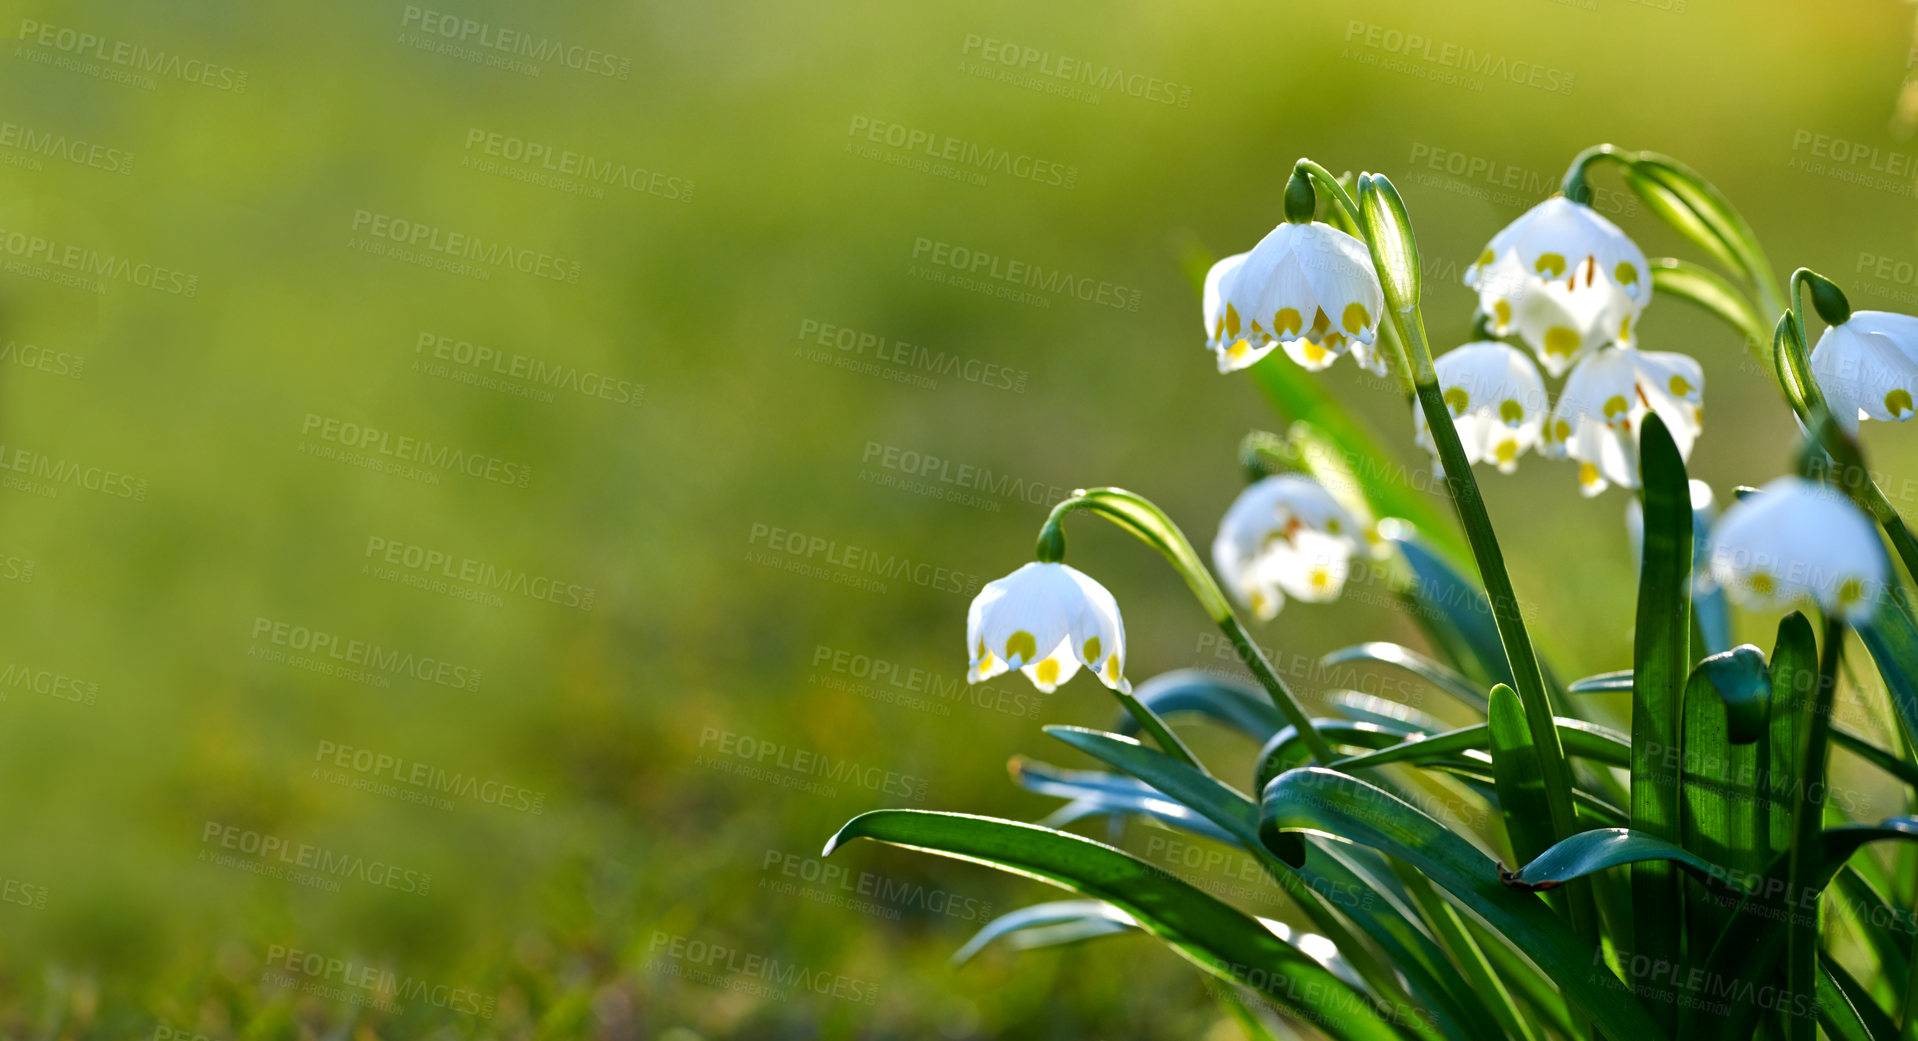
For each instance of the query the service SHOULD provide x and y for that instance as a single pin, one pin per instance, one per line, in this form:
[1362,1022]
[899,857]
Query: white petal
[1865,373]
[1794,541]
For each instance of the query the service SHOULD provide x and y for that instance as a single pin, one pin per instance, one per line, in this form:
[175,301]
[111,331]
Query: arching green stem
[1136,514]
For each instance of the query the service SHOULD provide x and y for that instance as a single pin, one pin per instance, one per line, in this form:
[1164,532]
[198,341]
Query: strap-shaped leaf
[1592,851]
[1661,658]
[1718,786]
[1587,740]
[1515,773]
[1096,793]
[1619,682]
[1206,931]
[1441,677]
[1238,704]
[1322,800]
[1087,917]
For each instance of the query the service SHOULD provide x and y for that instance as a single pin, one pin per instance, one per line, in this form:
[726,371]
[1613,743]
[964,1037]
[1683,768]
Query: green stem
[1807,834]
[1808,403]
[1323,180]
[1136,514]
[1150,722]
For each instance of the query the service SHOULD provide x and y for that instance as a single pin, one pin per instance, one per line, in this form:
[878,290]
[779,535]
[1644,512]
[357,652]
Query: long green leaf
[1719,789]
[1092,917]
[1794,676]
[1322,800]
[1235,703]
[1601,848]
[1661,657]
[1891,638]
[1807,845]
[1619,682]
[1207,932]
[1094,793]
[1845,1007]
[1515,773]
[1444,679]
[1586,740]
[1709,290]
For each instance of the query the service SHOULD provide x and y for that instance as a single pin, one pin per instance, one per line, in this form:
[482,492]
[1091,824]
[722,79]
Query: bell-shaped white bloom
[1309,288]
[1497,400]
[1046,620]
[1285,534]
[1868,367]
[1797,540]
[1604,405]
[1566,279]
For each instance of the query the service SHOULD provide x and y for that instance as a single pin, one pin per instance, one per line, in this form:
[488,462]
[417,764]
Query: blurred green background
[442,637]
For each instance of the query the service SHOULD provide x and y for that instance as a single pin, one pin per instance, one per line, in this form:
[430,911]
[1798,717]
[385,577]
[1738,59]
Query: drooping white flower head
[1797,541]
[1285,534]
[1604,405]
[1309,288]
[1497,400]
[1868,367]
[1566,279]
[1046,620]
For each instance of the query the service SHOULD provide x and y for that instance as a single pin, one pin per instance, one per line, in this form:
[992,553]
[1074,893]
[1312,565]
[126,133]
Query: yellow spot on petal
[1231,320]
[1561,430]
[1287,321]
[1615,406]
[1850,591]
[1486,257]
[1021,647]
[1502,313]
[1237,350]
[1511,411]
[1561,341]
[1506,451]
[1321,578]
[1587,474]
[1218,328]
[1112,668]
[1680,385]
[1625,329]
[981,656]
[1259,603]
[1458,399]
[1047,672]
[1356,318]
[1332,526]
[1314,352]
[1625,274]
[1762,583]
[1091,650]
[1898,402]
[1550,265]
[1320,324]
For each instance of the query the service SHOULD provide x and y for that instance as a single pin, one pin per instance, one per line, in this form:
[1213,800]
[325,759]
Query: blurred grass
[558,916]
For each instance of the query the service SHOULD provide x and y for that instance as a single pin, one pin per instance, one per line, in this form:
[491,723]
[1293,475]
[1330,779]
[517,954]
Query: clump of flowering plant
[1689,878]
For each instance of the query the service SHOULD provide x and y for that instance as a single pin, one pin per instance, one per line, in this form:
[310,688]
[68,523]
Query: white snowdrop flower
[1566,279]
[1605,402]
[1283,535]
[1497,400]
[1307,287]
[1867,366]
[1797,541]
[1046,620]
